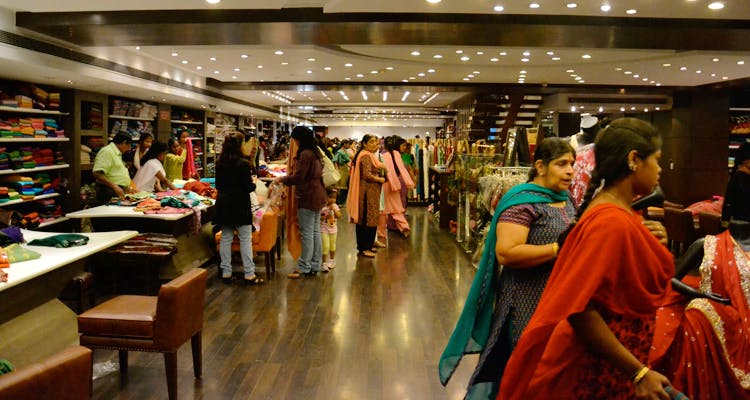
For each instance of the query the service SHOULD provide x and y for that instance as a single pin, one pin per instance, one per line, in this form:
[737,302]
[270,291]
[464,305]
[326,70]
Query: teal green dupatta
[473,327]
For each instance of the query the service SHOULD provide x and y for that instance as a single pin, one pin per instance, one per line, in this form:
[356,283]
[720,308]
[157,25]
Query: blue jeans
[245,233]
[312,245]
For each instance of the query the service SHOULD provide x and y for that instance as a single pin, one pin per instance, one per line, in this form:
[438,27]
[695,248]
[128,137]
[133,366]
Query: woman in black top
[737,197]
[234,184]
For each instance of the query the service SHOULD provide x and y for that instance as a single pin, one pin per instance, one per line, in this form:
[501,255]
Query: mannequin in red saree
[702,345]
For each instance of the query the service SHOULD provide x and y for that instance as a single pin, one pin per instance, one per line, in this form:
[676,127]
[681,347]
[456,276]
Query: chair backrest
[710,223]
[680,228]
[63,376]
[269,227]
[179,308]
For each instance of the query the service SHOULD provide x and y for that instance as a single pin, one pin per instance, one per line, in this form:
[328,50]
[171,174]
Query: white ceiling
[348,65]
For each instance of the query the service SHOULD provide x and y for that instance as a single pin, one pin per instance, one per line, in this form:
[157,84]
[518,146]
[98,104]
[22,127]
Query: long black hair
[154,151]
[305,140]
[611,149]
[392,143]
[366,138]
[231,149]
[550,149]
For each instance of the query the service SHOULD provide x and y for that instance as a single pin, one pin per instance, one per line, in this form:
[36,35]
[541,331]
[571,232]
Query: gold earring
[633,167]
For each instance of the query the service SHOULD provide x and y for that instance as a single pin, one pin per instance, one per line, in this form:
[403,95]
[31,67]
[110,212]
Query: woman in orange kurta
[593,326]
[701,344]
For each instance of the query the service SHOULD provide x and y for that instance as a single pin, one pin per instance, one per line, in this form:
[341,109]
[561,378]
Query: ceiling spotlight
[260,67]
[470,75]
[605,7]
[480,53]
[360,75]
[631,11]
[434,1]
[550,53]
[524,60]
[494,59]
[244,56]
[415,53]
[311,59]
[284,63]
[234,77]
[389,68]
[534,5]
[666,65]
[184,61]
[212,58]
[698,71]
[586,56]
[683,68]
[213,1]
[499,8]
[526,53]
[309,71]
[327,68]
[175,54]
[601,109]
[465,58]
[348,65]
[438,56]
[717,5]
[137,47]
[622,109]
[199,68]
[573,108]
[431,70]
[555,58]
[503,53]
[374,72]
[570,71]
[216,72]
[278,52]
[572,5]
[459,51]
[740,63]
[715,60]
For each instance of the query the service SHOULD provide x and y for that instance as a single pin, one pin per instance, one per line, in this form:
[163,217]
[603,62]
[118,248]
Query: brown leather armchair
[151,323]
[64,376]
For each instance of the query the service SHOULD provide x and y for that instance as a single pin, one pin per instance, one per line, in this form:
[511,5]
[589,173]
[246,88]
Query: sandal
[379,244]
[297,274]
[255,280]
[366,253]
[226,279]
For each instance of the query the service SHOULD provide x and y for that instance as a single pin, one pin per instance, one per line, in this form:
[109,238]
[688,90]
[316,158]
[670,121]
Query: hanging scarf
[391,171]
[352,200]
[188,167]
[473,327]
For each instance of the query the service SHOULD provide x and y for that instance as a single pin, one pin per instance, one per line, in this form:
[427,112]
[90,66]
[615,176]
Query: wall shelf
[21,140]
[186,122]
[40,197]
[31,111]
[130,118]
[37,169]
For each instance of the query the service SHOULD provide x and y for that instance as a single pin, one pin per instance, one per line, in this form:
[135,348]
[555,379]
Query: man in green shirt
[110,172]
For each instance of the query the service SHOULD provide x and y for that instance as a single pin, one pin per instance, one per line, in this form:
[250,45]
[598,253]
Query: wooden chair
[709,223]
[160,324]
[680,229]
[63,376]
[265,241]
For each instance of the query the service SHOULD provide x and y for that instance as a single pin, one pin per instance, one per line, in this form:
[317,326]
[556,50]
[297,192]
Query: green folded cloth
[5,367]
[17,253]
[63,240]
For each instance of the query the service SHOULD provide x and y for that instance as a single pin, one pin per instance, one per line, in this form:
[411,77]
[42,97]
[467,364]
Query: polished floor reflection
[371,329]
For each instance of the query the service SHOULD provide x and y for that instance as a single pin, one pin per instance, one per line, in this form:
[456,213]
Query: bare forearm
[527,255]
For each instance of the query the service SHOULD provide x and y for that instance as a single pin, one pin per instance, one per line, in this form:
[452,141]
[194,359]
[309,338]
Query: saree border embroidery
[708,264]
[743,267]
[705,307]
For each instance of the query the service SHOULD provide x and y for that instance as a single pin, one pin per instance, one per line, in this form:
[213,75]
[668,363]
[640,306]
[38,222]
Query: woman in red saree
[703,345]
[592,329]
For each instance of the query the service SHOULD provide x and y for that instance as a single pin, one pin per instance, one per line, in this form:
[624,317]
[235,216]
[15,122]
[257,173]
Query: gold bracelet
[555,248]
[640,374]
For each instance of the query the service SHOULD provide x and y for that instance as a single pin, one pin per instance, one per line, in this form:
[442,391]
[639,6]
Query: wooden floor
[371,329]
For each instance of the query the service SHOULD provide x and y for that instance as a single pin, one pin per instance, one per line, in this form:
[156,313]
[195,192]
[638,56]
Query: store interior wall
[356,132]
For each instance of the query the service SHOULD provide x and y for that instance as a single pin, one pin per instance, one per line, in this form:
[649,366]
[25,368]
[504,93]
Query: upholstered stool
[79,292]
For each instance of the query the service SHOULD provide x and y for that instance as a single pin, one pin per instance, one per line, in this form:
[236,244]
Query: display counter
[193,248]
[34,324]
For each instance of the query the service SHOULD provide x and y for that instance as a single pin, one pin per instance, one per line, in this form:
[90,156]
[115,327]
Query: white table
[108,211]
[34,324]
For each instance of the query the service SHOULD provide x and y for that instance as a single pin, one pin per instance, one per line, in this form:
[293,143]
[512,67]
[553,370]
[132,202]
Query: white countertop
[53,257]
[123,212]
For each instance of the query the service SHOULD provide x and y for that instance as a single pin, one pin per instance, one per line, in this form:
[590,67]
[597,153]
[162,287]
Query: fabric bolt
[703,346]
[624,274]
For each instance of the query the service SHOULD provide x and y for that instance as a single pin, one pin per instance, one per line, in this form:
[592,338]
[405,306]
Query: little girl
[328,229]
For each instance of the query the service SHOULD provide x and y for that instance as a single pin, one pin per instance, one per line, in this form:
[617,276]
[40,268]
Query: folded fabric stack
[85,154]
[48,210]
[9,128]
[4,160]
[22,158]
[9,102]
[31,220]
[24,101]
[38,125]
[25,129]
[52,128]
[25,186]
[4,262]
[95,143]
[4,194]
[59,158]
[43,184]
[43,157]
[53,103]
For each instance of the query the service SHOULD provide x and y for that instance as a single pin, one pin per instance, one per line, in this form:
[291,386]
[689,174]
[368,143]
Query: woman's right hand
[652,386]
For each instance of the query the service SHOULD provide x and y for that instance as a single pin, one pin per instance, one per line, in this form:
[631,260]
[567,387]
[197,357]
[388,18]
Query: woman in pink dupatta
[398,181]
[363,203]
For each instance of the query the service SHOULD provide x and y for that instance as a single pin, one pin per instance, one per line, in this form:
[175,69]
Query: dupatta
[188,167]
[352,200]
[473,327]
[393,180]
[293,240]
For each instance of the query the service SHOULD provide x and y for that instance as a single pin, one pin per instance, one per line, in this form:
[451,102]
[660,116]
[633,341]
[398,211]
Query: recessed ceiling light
[499,8]
[534,5]
[503,53]
[715,60]
[244,56]
[555,58]
[570,71]
[524,60]
[213,1]
[618,69]
[466,79]
[411,78]
[184,61]
[683,68]
[459,52]
[605,7]
[234,77]
[389,68]
[434,1]
[137,47]
[636,76]
[278,52]
[740,63]
[348,65]
[199,67]
[327,68]
[216,72]
[480,53]
[713,75]
[631,11]
[494,59]
[622,108]
[724,77]
[571,5]
[360,75]
[373,72]
[550,53]
[586,56]
[404,80]
[470,76]
[526,53]
[627,72]
[666,65]
[311,59]
[175,54]
[698,71]
[465,58]
[645,79]
[309,71]
[212,58]
[437,56]
[284,63]
[523,71]
[717,5]
[430,70]
[415,53]
[260,67]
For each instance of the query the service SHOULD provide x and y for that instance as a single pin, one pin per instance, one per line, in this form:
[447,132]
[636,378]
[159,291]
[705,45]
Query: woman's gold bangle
[640,374]
[555,248]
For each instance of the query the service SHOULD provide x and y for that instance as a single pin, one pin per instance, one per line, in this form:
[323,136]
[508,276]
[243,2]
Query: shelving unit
[194,122]
[217,128]
[739,125]
[131,116]
[34,143]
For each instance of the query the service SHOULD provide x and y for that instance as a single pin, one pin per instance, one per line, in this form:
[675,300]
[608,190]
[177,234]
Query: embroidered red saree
[613,263]
[702,346]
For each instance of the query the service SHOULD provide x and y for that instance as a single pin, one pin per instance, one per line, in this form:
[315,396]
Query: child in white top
[329,216]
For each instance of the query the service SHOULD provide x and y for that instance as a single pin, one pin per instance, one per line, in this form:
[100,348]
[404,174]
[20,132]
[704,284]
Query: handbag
[331,174]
